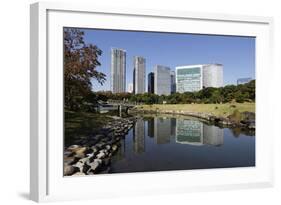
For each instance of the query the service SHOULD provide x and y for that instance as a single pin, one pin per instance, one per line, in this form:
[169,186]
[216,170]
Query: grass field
[221,110]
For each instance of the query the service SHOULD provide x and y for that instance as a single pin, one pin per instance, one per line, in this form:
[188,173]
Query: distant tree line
[230,93]
[80,67]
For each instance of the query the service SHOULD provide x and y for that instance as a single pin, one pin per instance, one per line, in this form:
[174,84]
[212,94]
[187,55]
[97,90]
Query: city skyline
[173,50]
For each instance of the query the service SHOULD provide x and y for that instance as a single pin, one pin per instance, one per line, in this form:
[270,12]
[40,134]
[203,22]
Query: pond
[161,143]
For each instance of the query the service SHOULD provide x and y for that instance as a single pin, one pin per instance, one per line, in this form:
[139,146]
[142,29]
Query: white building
[130,88]
[139,75]
[194,77]
[213,75]
[162,80]
[118,70]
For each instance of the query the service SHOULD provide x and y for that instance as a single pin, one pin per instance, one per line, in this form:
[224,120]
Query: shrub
[235,116]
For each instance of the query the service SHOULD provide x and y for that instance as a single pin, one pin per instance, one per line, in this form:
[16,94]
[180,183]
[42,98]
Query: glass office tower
[118,70]
[162,80]
[139,75]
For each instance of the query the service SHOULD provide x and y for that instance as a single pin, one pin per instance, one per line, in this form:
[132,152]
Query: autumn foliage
[80,66]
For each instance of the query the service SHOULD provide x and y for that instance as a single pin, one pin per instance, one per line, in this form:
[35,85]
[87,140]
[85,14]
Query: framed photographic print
[128,101]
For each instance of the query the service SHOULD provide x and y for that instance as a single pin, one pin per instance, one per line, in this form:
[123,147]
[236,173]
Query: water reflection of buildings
[194,132]
[150,127]
[189,132]
[173,128]
[212,135]
[139,136]
[162,130]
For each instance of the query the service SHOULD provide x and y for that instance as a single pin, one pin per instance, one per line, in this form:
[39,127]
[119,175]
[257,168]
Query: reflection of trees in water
[150,127]
[237,131]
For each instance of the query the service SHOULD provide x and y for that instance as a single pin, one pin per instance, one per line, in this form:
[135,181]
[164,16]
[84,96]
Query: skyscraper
[150,84]
[118,70]
[139,75]
[173,82]
[213,75]
[194,77]
[162,80]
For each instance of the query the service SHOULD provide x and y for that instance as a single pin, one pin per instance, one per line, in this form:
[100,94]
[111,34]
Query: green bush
[235,116]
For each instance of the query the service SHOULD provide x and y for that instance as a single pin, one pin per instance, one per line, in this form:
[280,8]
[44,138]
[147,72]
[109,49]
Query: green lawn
[222,110]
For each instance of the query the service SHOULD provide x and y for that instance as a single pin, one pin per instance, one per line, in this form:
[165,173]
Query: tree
[80,63]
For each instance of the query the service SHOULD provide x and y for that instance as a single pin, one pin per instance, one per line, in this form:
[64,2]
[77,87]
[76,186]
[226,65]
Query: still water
[159,143]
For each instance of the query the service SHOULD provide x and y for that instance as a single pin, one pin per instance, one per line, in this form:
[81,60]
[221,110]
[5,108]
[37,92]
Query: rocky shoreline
[93,155]
[247,122]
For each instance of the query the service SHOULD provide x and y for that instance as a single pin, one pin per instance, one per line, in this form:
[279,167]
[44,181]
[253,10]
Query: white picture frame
[46,179]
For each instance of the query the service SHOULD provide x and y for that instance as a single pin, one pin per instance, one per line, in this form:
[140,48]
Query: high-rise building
[162,80]
[118,70]
[173,82]
[213,75]
[194,77]
[130,88]
[150,84]
[243,80]
[139,75]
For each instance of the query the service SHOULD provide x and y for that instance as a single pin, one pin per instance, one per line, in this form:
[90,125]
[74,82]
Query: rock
[108,147]
[248,116]
[72,148]
[75,160]
[69,170]
[80,150]
[106,161]
[101,145]
[90,155]
[69,160]
[94,166]
[114,147]
[80,164]
[100,155]
[77,150]
[86,167]
[252,126]
[67,153]
[95,149]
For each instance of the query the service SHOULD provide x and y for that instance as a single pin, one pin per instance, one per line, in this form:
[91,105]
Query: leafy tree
[80,63]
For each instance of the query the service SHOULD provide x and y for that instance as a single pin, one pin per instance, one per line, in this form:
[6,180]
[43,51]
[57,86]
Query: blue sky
[237,54]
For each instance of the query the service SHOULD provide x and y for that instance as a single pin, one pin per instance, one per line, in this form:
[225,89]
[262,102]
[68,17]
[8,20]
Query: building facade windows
[162,80]
[118,70]
[195,77]
[189,78]
[139,75]
[150,83]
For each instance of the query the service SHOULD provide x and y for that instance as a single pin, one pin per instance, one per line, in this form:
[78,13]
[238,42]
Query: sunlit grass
[222,110]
